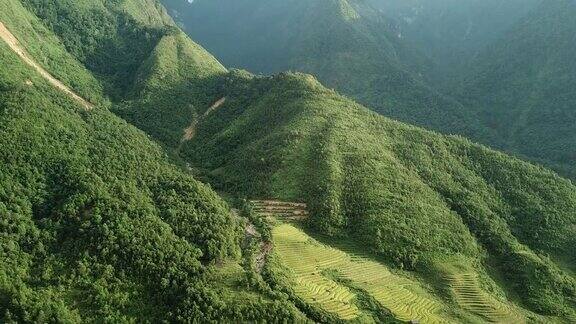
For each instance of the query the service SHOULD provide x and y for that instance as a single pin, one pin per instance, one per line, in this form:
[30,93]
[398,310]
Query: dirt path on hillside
[13,43]
[190,131]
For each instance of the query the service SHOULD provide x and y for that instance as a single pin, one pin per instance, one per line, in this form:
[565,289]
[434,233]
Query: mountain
[412,196]
[499,85]
[523,86]
[347,44]
[96,224]
[289,138]
[105,222]
[451,32]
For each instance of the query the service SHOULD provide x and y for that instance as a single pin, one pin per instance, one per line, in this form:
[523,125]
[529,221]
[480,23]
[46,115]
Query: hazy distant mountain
[524,86]
[347,44]
[450,32]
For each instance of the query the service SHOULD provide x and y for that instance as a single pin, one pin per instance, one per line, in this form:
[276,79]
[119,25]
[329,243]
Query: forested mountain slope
[507,64]
[417,198]
[100,226]
[347,44]
[524,86]
[288,137]
[95,223]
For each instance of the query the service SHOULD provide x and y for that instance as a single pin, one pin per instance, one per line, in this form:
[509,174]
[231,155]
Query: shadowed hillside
[451,32]
[523,86]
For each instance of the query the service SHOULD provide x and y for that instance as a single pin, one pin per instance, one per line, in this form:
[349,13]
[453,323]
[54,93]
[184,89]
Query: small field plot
[472,298]
[310,261]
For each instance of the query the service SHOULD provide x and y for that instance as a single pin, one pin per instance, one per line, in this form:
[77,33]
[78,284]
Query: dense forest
[417,198]
[449,32]
[135,211]
[96,223]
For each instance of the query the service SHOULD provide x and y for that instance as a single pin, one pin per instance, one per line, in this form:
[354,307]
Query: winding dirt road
[13,43]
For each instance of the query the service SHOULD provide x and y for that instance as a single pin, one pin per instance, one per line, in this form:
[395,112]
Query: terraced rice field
[310,259]
[395,293]
[472,298]
[280,209]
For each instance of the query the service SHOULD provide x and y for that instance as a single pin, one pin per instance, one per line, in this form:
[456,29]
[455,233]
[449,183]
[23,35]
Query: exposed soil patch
[190,131]
[281,209]
[13,43]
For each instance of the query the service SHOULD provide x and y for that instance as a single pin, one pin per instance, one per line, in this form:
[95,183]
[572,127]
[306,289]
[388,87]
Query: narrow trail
[14,45]
[190,131]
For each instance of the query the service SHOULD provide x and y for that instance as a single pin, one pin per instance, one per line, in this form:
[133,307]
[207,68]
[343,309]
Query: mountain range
[349,45]
[522,86]
[129,153]
[497,72]
[451,32]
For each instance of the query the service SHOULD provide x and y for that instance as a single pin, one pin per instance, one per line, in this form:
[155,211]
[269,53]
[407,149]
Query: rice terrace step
[472,298]
[280,209]
[310,261]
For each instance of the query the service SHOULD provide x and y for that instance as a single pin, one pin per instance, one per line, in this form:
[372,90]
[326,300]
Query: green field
[311,261]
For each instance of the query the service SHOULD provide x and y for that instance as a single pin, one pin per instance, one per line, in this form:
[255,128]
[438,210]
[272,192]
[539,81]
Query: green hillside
[523,86]
[503,68]
[347,44]
[141,59]
[101,224]
[110,38]
[173,87]
[416,198]
[95,224]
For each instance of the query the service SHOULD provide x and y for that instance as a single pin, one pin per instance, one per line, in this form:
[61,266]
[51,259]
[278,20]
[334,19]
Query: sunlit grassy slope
[311,260]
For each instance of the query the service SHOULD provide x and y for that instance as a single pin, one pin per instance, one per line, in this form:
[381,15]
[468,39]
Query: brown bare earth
[190,131]
[13,43]
[280,209]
